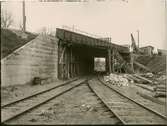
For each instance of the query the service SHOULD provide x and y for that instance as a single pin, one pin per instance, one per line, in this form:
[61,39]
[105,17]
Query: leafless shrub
[21,26]
[47,31]
[6,19]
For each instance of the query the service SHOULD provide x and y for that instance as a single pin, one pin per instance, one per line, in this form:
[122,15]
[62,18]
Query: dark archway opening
[86,57]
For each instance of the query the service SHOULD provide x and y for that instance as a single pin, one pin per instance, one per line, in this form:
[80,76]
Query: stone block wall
[37,58]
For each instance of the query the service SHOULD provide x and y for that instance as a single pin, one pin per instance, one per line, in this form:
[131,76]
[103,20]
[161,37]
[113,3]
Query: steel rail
[122,121]
[36,94]
[143,106]
[41,103]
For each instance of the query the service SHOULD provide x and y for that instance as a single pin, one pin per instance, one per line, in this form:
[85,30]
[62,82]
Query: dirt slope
[144,59]
[157,64]
[11,41]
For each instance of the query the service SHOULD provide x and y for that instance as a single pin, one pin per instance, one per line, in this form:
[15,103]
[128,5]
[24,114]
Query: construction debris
[160,94]
[128,77]
[162,78]
[148,75]
[116,80]
[160,91]
[151,98]
[85,107]
[135,79]
[33,120]
[36,80]
[138,79]
[146,87]
[46,113]
[143,78]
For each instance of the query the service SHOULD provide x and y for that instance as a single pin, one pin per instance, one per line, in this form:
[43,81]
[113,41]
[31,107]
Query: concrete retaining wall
[38,58]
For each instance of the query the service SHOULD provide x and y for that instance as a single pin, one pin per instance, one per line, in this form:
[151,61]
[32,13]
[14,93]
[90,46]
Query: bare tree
[47,31]
[21,26]
[6,19]
[44,31]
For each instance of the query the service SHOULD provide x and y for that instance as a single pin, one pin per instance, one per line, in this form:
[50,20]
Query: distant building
[162,52]
[155,50]
[148,50]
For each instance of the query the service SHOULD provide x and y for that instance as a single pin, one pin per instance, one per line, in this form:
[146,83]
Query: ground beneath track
[132,91]
[79,106]
[12,93]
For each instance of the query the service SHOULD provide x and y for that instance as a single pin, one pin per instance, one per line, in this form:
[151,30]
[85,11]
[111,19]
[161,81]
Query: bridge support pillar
[131,61]
[71,63]
[113,53]
[109,60]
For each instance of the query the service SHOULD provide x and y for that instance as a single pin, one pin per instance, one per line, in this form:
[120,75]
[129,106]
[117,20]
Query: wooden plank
[146,87]
[109,59]
[143,78]
[62,55]
[113,61]
[161,90]
[71,67]
[135,79]
[68,62]
[160,94]
[131,61]
[161,86]
[151,98]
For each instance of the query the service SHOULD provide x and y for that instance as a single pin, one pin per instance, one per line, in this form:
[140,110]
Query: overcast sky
[112,18]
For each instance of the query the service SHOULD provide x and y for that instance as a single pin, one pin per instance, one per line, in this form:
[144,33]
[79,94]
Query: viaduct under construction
[77,52]
[66,55]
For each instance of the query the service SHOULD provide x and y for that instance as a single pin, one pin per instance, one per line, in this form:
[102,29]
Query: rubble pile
[160,89]
[116,80]
[148,75]
[162,78]
[149,81]
[160,84]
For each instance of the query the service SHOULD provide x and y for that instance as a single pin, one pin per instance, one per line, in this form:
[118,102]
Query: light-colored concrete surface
[37,58]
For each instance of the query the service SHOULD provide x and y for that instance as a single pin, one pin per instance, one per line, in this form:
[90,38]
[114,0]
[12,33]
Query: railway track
[125,109]
[136,97]
[115,105]
[17,108]
[78,106]
[104,106]
[35,94]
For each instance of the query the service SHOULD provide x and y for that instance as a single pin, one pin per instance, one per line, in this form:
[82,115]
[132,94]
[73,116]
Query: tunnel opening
[80,60]
[86,57]
[99,64]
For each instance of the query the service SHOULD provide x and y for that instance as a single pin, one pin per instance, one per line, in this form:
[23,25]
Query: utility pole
[138,37]
[24,17]
[73,28]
